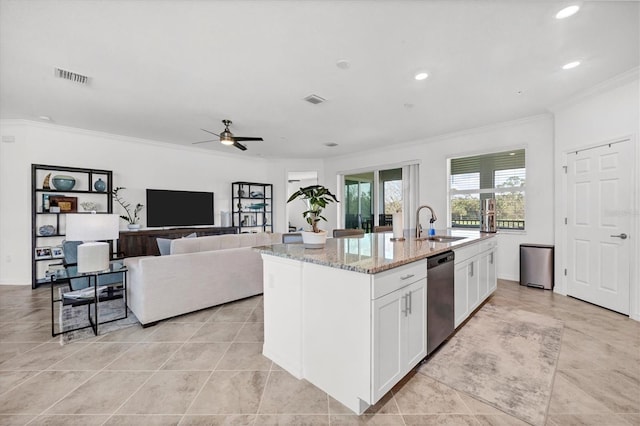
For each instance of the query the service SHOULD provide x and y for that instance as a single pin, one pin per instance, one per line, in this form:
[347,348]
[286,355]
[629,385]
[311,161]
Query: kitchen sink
[441,238]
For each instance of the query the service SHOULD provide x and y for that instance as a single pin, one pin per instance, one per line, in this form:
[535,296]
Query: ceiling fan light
[226,139]
[570,65]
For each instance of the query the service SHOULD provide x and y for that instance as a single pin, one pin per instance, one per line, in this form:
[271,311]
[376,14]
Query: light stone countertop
[372,253]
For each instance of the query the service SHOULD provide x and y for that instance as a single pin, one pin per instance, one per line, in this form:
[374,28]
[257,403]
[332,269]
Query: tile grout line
[215,366]
[266,382]
[115,411]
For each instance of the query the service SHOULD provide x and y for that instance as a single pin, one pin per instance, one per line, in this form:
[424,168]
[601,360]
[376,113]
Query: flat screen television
[179,208]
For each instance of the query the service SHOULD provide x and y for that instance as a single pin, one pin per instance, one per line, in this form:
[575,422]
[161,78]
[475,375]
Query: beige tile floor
[206,368]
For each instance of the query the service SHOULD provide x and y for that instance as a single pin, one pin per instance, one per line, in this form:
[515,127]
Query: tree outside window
[501,176]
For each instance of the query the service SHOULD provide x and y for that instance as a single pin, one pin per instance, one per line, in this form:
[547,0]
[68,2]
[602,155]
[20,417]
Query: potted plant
[316,197]
[131,217]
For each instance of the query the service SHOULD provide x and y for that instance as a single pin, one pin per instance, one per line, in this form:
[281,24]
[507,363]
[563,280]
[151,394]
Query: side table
[89,296]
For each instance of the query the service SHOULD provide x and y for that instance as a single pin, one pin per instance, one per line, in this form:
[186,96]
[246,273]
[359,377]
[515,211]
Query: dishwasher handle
[440,259]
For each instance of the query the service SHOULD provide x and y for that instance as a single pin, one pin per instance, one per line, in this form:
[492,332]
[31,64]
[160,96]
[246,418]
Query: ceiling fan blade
[243,138]
[212,140]
[240,146]
[204,130]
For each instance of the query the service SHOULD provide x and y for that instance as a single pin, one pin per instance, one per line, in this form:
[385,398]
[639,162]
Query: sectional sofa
[197,273]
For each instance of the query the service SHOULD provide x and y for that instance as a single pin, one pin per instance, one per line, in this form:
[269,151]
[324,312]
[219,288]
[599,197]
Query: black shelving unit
[252,206]
[83,190]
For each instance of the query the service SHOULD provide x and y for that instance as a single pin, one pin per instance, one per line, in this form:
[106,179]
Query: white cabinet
[466,289]
[493,276]
[399,334]
[488,279]
[474,278]
[283,313]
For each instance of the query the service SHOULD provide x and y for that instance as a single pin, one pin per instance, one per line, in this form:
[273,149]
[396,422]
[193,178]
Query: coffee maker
[488,215]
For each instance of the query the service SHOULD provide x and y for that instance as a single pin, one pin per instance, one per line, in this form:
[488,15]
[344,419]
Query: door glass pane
[391,195]
[358,207]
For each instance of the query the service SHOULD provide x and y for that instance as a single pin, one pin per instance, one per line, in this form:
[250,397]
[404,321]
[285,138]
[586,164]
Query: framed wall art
[43,253]
[65,204]
[57,252]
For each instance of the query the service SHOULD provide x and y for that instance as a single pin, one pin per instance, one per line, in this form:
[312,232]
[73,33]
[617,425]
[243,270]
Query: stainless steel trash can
[536,265]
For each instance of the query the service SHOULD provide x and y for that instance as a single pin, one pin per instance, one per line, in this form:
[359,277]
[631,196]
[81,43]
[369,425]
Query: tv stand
[143,242]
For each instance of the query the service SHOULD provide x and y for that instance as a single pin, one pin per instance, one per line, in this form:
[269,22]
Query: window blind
[497,161]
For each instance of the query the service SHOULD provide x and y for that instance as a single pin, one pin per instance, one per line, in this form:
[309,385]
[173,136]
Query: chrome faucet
[433,219]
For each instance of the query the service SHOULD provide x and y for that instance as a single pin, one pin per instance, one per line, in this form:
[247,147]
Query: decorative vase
[100,185]
[89,206]
[46,182]
[63,182]
[133,226]
[47,230]
[314,240]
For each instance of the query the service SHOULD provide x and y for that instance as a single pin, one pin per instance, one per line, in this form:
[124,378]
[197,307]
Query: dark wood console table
[143,242]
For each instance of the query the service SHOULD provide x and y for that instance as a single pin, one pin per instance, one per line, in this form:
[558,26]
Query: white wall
[136,165]
[278,174]
[534,133]
[608,112]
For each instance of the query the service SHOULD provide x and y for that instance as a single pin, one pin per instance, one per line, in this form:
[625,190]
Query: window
[499,175]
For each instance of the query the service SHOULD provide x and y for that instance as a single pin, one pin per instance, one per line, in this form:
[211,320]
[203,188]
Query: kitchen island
[351,317]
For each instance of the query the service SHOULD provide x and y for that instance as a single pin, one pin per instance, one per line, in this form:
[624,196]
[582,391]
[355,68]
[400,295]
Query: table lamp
[93,229]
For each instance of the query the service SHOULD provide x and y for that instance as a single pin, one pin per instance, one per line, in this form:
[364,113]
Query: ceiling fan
[227,138]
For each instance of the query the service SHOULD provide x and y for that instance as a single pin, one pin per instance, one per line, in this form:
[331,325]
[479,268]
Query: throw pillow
[164,245]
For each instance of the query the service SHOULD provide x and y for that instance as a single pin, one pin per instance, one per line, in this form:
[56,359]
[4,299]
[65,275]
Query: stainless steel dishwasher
[440,299]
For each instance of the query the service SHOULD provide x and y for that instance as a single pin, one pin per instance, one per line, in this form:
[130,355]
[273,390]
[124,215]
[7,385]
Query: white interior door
[599,205]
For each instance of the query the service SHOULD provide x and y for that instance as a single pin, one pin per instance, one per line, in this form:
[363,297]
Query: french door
[599,219]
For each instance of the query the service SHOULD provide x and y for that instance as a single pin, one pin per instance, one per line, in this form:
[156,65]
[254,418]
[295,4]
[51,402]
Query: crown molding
[122,138]
[619,80]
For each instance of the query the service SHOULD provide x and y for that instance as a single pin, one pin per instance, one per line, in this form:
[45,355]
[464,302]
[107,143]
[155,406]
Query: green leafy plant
[132,212]
[317,197]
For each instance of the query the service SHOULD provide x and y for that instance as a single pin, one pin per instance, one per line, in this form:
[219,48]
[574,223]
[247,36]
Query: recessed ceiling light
[568,11]
[570,65]
[330,144]
[44,117]
[421,75]
[408,105]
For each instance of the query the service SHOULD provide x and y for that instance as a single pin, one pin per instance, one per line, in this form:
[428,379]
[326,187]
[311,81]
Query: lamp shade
[92,227]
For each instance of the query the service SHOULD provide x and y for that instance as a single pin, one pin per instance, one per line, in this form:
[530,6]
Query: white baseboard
[14,283]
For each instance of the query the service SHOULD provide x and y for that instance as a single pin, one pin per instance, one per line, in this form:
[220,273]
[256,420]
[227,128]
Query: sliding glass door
[371,198]
[358,206]
[390,189]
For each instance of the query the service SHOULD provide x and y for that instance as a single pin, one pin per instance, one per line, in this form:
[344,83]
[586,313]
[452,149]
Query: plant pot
[133,226]
[314,240]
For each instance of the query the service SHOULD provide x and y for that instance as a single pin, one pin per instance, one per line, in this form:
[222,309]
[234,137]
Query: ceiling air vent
[71,76]
[314,99]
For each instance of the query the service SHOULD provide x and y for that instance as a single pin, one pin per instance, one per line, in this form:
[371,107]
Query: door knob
[623,236]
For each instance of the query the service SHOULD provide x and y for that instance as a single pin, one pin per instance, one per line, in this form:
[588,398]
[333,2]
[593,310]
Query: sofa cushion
[164,244]
[221,242]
